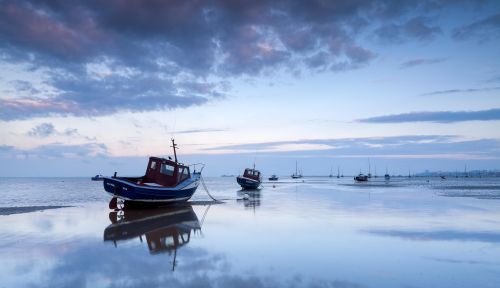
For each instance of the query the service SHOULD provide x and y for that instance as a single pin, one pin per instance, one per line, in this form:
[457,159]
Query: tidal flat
[315,232]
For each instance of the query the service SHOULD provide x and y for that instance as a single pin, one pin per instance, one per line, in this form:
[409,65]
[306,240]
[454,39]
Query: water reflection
[251,199]
[165,229]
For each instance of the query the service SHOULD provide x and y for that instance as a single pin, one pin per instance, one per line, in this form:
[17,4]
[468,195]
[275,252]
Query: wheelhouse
[252,174]
[165,172]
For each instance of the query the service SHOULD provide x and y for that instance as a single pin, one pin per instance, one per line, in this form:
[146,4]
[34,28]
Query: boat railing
[196,165]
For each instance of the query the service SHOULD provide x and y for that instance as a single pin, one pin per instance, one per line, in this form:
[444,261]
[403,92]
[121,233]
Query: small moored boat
[250,179]
[165,181]
[273,178]
[361,178]
[97,177]
[296,175]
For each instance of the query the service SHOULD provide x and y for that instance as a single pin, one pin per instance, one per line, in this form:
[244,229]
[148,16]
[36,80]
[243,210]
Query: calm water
[318,233]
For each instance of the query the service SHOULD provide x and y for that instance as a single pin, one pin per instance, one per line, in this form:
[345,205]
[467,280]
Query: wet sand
[27,209]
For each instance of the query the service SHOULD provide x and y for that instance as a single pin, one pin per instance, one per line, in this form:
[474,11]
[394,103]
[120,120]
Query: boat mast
[174,146]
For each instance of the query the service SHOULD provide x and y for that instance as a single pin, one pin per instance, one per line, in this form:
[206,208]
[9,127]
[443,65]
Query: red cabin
[252,174]
[165,172]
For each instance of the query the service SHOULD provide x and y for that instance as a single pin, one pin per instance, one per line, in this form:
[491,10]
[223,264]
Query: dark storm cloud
[421,61]
[484,29]
[104,57]
[437,116]
[469,90]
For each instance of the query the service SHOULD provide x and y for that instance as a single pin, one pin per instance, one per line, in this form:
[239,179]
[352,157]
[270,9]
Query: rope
[206,190]
[213,198]
[204,215]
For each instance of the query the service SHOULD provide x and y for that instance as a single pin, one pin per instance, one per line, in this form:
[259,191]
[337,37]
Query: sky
[91,87]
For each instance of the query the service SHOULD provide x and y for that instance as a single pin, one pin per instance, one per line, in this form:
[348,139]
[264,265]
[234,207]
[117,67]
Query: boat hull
[361,178]
[132,192]
[247,183]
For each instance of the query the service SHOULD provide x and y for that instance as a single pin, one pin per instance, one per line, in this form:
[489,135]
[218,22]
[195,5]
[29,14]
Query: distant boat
[361,178]
[97,177]
[387,176]
[251,179]
[165,181]
[273,178]
[338,173]
[331,175]
[296,174]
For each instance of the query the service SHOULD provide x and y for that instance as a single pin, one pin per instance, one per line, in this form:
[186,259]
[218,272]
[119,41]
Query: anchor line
[206,190]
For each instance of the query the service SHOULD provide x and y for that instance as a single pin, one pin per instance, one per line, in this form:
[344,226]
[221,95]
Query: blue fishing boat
[250,179]
[165,181]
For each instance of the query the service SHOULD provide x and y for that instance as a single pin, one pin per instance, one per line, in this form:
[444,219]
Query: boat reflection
[250,199]
[165,229]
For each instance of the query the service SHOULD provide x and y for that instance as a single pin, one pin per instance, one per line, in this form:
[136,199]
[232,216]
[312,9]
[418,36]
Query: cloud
[101,58]
[437,116]
[57,150]
[48,129]
[452,91]
[89,97]
[484,29]
[444,235]
[395,147]
[5,148]
[192,131]
[42,130]
[419,28]
[421,61]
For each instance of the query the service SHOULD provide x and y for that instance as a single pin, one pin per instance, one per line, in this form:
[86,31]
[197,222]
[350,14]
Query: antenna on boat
[174,146]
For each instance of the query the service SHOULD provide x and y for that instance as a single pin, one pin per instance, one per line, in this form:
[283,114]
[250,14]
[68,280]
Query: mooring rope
[206,190]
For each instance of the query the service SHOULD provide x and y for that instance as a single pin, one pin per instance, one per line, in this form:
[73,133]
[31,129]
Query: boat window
[167,169]
[153,165]
[182,173]
[169,241]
